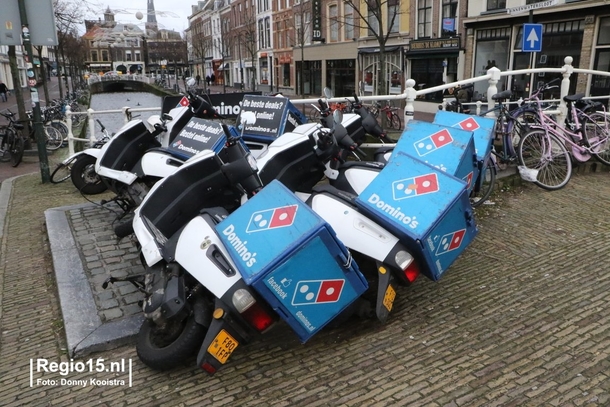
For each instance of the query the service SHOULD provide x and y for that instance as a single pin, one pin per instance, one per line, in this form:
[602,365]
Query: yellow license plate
[388,298]
[222,346]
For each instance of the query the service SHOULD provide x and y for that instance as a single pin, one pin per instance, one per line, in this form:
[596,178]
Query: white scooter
[195,296]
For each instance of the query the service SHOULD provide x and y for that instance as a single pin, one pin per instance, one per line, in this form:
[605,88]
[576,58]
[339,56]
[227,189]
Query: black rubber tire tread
[16,148]
[173,355]
[60,173]
[597,135]
[554,174]
[125,228]
[395,122]
[78,177]
[477,198]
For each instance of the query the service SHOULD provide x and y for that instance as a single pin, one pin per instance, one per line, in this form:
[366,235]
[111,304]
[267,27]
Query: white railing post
[479,104]
[70,134]
[493,88]
[126,113]
[410,100]
[92,138]
[565,87]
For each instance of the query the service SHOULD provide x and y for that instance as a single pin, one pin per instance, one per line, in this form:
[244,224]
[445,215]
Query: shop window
[496,4]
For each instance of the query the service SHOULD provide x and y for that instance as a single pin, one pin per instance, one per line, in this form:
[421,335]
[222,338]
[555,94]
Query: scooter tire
[84,177]
[168,356]
[124,228]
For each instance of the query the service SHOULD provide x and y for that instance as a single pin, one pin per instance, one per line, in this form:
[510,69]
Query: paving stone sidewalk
[521,319]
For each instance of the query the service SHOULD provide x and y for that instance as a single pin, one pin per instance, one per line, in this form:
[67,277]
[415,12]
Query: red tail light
[411,272]
[208,368]
[251,311]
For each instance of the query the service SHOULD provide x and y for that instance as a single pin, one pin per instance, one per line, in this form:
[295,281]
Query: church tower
[151,19]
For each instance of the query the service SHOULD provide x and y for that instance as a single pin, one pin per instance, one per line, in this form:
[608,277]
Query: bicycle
[543,150]
[12,146]
[63,171]
[510,127]
[53,138]
[393,120]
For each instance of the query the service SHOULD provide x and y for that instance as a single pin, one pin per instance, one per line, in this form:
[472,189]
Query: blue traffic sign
[532,38]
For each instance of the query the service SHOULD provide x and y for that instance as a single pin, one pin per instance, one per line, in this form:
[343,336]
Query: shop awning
[374,50]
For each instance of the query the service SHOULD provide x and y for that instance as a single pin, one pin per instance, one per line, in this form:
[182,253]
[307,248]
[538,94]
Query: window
[424,18]
[268,32]
[137,56]
[604,31]
[261,34]
[449,15]
[393,16]
[372,18]
[105,56]
[94,55]
[334,24]
[348,15]
[496,4]
[128,56]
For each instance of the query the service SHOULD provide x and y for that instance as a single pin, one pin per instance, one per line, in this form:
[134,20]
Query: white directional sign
[532,38]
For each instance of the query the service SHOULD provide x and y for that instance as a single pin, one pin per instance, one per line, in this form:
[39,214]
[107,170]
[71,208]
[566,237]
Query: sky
[171,14]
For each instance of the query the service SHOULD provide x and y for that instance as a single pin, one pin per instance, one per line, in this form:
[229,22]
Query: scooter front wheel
[84,177]
[164,349]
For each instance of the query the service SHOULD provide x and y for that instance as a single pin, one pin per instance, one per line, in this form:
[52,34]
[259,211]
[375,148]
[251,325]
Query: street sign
[41,22]
[532,38]
[530,7]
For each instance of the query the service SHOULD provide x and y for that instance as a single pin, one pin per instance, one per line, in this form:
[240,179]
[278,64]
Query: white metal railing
[409,95]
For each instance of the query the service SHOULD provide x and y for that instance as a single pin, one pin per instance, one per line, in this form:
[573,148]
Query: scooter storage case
[427,208]
[481,127]
[447,148]
[292,258]
[198,135]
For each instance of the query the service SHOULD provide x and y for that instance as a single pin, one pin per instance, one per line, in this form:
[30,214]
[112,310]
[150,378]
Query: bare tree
[225,43]
[370,16]
[201,43]
[301,32]
[248,36]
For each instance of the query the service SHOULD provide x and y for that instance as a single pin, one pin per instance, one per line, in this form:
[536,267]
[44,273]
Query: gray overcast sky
[171,14]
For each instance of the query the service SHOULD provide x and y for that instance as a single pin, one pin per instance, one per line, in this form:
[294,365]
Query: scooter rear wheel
[84,177]
[168,348]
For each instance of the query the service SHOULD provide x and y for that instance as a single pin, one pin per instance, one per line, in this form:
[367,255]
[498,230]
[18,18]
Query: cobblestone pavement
[521,319]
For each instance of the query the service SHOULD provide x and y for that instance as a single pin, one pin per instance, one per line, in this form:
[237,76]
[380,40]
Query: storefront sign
[438,44]
[316,26]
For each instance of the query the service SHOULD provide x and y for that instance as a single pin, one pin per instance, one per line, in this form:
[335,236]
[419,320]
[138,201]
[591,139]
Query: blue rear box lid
[449,149]
[482,128]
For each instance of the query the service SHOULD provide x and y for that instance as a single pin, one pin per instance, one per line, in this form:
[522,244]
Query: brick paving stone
[530,294]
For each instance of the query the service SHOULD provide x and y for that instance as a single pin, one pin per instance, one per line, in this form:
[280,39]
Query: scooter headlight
[252,162]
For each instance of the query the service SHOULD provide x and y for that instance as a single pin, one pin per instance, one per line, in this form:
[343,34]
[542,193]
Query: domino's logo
[433,142]
[468,179]
[317,292]
[451,241]
[272,218]
[177,143]
[469,124]
[415,186]
[184,102]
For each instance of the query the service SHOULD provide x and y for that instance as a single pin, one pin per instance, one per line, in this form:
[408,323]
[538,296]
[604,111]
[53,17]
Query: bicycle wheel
[61,127]
[314,115]
[395,121]
[53,137]
[61,173]
[546,154]
[596,133]
[484,184]
[16,147]
[522,122]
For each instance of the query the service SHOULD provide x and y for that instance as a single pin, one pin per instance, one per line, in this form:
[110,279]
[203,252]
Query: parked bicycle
[12,144]
[51,134]
[393,120]
[544,150]
[63,171]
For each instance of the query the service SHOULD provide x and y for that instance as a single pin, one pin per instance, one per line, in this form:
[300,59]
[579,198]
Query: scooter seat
[362,164]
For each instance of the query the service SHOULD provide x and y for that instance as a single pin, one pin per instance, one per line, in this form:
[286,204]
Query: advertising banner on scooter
[427,208]
[481,127]
[292,258]
[449,149]
[274,117]
[199,135]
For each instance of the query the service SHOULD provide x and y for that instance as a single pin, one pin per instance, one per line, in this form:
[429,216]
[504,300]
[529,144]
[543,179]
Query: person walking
[3,91]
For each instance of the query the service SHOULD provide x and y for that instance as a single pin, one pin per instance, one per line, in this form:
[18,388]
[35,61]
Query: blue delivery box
[481,127]
[427,208]
[447,148]
[292,258]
